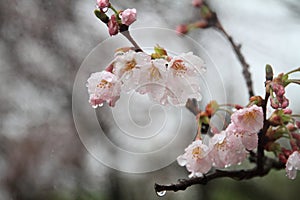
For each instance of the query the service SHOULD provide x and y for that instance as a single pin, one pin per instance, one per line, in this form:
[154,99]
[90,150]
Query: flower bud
[282,158]
[182,29]
[284,103]
[212,108]
[274,103]
[298,124]
[275,119]
[272,146]
[197,3]
[273,134]
[128,16]
[113,26]
[269,73]
[256,100]
[102,3]
[287,111]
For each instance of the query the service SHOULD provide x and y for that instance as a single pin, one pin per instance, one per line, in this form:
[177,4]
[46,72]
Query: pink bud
[113,27]
[182,29]
[197,3]
[282,158]
[285,103]
[128,16]
[287,111]
[274,103]
[298,124]
[102,3]
[280,91]
[109,68]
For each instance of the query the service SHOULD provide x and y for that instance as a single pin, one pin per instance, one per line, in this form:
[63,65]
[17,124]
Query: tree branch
[213,21]
[236,175]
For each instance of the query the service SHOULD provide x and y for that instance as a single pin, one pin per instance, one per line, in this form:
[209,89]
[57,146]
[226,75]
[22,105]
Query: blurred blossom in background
[43,44]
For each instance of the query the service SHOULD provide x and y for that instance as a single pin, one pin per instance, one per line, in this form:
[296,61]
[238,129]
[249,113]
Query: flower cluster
[119,21]
[166,79]
[229,147]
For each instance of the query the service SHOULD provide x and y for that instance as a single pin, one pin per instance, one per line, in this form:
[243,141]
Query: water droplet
[204,69]
[163,101]
[94,106]
[161,193]
[228,165]
[104,9]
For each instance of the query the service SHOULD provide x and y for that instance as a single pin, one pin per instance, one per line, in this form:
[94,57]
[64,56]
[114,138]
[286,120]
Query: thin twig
[214,21]
[236,175]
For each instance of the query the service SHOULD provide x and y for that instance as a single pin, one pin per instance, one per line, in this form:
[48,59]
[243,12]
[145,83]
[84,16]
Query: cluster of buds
[208,19]
[119,21]
[277,87]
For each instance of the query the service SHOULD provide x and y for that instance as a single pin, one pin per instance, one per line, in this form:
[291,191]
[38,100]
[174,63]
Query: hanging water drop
[94,106]
[101,104]
[161,193]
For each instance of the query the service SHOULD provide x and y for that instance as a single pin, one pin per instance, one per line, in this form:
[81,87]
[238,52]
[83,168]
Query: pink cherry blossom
[248,119]
[292,165]
[129,67]
[102,3]
[113,26]
[196,159]
[103,86]
[128,16]
[249,140]
[227,150]
[153,80]
[184,76]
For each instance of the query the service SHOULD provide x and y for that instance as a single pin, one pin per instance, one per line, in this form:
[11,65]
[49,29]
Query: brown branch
[213,21]
[236,175]
[192,106]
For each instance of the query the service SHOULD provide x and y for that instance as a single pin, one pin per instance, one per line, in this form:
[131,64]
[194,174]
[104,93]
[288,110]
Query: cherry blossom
[196,159]
[248,119]
[128,16]
[152,80]
[103,86]
[227,150]
[129,66]
[184,73]
[249,140]
[292,165]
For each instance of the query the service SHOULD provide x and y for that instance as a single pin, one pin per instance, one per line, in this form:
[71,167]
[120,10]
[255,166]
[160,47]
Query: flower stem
[131,40]
[115,11]
[295,70]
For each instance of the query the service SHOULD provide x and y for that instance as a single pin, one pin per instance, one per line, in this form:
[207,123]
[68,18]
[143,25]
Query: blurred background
[42,46]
